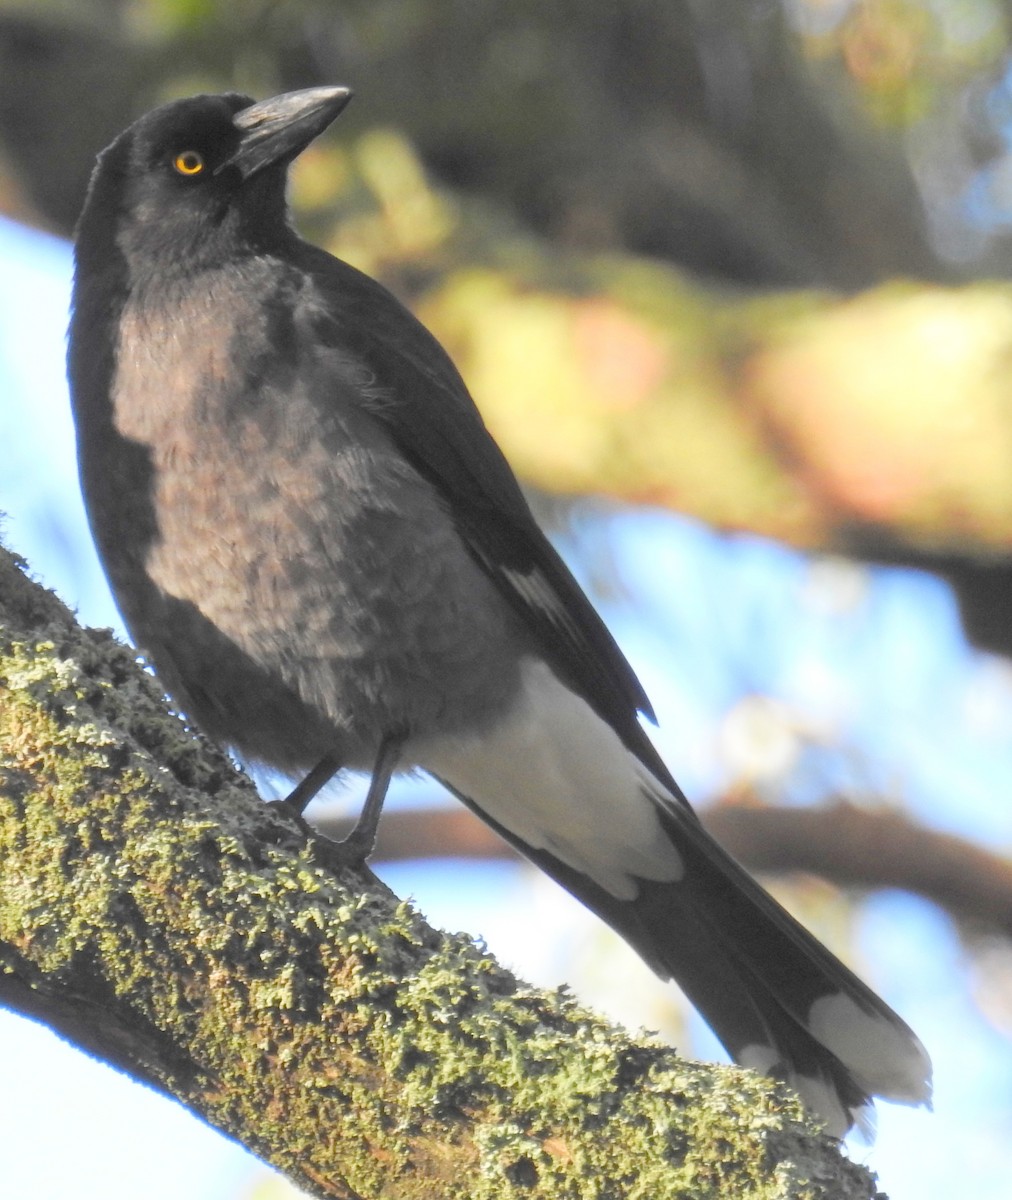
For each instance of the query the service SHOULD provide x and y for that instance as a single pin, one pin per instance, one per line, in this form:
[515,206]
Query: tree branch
[843,843]
[153,910]
[872,848]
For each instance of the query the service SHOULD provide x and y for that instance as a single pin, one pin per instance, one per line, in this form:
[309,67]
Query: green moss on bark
[153,909]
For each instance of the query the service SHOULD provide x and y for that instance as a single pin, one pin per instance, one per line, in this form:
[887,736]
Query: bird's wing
[418,395]
[625,844]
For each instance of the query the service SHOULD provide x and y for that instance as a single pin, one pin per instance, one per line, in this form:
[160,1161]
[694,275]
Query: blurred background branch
[850,846]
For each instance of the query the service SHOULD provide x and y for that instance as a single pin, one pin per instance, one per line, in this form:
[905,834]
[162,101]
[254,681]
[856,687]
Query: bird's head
[195,176]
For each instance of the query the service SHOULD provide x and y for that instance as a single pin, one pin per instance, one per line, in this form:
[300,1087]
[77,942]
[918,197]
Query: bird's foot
[351,852]
[355,850]
[293,813]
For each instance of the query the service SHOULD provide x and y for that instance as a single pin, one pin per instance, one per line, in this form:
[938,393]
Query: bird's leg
[359,843]
[299,797]
[294,804]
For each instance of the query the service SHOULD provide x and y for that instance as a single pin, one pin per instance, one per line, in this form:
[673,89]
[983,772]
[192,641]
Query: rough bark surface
[155,912]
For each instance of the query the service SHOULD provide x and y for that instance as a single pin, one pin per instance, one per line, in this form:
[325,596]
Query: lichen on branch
[154,911]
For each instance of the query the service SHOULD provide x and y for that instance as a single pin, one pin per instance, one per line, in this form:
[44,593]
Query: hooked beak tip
[279,129]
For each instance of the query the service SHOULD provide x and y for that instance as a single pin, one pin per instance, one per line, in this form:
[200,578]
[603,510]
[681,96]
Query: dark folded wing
[417,394]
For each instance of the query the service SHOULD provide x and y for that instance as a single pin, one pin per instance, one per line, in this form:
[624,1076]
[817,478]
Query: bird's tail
[777,999]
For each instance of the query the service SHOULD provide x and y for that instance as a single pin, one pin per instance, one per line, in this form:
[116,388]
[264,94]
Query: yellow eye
[188,163]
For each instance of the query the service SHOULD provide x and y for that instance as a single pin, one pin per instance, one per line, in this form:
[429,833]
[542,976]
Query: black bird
[331,565]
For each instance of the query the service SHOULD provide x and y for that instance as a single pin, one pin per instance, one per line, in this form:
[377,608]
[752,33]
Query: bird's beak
[278,129]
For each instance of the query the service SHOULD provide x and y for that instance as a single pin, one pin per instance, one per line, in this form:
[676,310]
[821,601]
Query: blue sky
[870,690]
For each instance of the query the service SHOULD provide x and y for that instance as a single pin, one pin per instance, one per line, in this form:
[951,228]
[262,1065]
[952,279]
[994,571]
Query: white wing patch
[535,589]
[559,778]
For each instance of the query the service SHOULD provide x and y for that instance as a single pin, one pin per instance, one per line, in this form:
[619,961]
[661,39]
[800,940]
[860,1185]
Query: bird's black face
[174,166]
[194,177]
